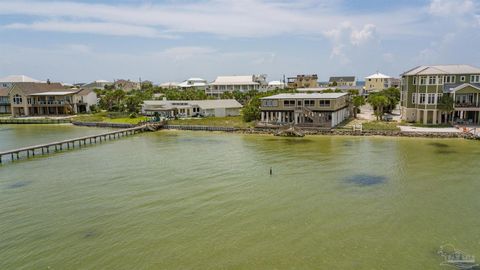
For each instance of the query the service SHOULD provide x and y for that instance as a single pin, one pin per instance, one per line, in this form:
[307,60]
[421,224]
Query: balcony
[466,105]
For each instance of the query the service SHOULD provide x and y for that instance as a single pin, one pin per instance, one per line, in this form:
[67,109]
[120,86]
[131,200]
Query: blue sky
[81,41]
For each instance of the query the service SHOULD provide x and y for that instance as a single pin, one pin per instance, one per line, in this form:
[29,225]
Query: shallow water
[194,200]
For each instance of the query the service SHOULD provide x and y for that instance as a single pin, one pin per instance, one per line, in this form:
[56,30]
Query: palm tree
[357,102]
[447,104]
[378,102]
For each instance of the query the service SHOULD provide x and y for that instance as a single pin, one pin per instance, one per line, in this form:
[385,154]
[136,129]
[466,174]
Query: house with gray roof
[423,87]
[192,108]
[342,81]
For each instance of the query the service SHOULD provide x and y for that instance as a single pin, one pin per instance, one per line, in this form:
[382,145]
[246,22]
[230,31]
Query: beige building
[310,110]
[30,99]
[126,85]
[247,83]
[192,108]
[379,81]
[303,81]
[342,81]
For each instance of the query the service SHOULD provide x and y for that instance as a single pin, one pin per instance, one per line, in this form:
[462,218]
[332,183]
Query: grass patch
[231,121]
[379,125]
[106,118]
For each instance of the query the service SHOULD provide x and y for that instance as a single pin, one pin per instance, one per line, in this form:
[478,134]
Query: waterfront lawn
[380,125]
[231,121]
[104,117]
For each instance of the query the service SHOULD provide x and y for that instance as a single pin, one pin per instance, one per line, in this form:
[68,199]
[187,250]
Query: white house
[224,84]
[193,83]
[276,85]
[83,100]
[191,108]
[7,82]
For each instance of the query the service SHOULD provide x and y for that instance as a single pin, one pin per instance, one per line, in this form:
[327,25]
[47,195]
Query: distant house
[379,81]
[223,84]
[4,101]
[342,81]
[309,110]
[276,85]
[190,108]
[7,82]
[98,84]
[193,83]
[303,81]
[126,85]
[83,100]
[169,85]
[29,99]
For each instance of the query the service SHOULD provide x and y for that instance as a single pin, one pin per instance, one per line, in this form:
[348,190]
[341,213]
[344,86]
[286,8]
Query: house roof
[29,88]
[234,80]
[84,92]
[442,69]
[378,75]
[55,93]
[342,79]
[305,96]
[204,104]
[17,78]
[276,83]
[451,88]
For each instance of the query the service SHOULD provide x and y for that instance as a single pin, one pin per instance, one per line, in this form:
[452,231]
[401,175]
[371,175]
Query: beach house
[423,87]
[309,110]
[223,84]
[192,108]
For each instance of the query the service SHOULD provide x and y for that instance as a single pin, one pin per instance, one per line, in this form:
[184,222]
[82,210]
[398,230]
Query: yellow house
[379,81]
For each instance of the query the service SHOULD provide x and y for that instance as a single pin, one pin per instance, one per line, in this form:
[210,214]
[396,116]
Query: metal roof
[204,104]
[18,78]
[305,96]
[234,80]
[442,69]
[55,93]
[378,75]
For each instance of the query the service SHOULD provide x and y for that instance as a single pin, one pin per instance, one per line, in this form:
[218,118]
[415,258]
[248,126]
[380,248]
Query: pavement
[430,130]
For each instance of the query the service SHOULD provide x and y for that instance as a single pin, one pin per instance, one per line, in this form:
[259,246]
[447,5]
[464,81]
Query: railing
[33,121]
[51,102]
[466,105]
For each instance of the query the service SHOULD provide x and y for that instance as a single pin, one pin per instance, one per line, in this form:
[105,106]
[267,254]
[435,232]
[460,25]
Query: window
[431,99]
[440,80]
[17,99]
[422,99]
[475,79]
[324,103]
[450,79]
[289,103]
[432,80]
[439,96]
[309,103]
[414,98]
[423,80]
[270,103]
[414,80]
[462,78]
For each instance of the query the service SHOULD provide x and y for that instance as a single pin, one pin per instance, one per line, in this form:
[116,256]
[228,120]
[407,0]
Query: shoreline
[309,131]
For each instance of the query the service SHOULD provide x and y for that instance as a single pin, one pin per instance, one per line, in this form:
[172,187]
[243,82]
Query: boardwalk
[53,147]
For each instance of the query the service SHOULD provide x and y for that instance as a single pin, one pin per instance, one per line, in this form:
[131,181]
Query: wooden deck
[43,149]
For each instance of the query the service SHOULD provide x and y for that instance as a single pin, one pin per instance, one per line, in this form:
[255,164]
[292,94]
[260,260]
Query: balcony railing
[466,105]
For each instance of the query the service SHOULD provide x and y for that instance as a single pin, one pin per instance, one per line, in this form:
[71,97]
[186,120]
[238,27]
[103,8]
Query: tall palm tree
[447,104]
[357,102]
[378,102]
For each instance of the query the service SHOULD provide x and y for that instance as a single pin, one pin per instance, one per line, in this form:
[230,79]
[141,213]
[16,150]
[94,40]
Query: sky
[170,41]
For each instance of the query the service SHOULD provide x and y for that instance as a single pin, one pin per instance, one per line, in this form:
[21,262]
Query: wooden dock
[43,149]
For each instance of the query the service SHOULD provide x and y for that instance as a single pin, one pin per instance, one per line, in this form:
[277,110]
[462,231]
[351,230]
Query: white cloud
[364,35]
[451,7]
[113,29]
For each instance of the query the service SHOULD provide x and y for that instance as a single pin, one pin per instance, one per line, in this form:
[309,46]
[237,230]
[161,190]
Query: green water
[194,200]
